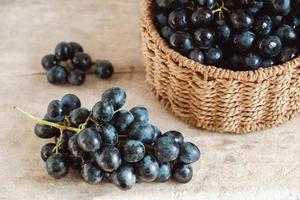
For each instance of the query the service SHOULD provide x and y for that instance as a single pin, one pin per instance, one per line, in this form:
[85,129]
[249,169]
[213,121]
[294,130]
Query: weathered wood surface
[264,165]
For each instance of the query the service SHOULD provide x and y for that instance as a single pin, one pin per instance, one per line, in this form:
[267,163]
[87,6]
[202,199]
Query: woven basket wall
[217,99]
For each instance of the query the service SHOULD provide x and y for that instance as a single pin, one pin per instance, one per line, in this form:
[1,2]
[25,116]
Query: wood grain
[253,166]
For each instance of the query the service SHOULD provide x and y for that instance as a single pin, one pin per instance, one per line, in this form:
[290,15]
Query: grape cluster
[239,35]
[111,143]
[70,64]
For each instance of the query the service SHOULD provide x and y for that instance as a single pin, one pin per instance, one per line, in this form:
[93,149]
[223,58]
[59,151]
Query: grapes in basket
[112,144]
[239,35]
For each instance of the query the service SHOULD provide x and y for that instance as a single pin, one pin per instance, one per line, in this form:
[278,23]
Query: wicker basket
[217,99]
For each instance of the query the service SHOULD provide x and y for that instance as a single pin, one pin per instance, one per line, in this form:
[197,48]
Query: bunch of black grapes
[239,35]
[70,64]
[111,143]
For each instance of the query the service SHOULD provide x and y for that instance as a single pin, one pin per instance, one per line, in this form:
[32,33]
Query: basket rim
[208,71]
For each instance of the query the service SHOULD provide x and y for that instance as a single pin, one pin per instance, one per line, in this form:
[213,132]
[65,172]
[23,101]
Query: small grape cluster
[112,143]
[70,64]
[240,35]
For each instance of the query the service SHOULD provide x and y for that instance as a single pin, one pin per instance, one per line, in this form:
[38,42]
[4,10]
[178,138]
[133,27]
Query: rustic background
[262,165]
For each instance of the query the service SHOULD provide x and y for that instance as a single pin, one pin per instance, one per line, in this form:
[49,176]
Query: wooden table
[262,165]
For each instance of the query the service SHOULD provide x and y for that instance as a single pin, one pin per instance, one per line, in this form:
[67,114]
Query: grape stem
[83,126]
[192,6]
[45,122]
[58,143]
[67,64]
[220,10]
[96,61]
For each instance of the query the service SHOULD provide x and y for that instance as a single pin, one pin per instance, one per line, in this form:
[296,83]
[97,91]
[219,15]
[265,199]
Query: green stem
[95,61]
[220,10]
[226,9]
[96,123]
[58,143]
[44,122]
[217,10]
[67,64]
[83,126]
[67,122]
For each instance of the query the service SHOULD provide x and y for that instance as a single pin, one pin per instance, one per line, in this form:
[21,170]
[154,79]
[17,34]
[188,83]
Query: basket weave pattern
[217,99]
